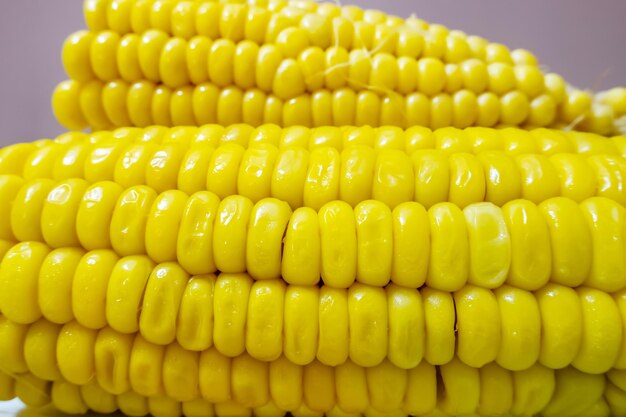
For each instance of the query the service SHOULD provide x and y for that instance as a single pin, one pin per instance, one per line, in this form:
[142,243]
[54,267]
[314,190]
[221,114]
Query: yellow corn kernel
[194,329]
[421,394]
[128,223]
[351,385]
[27,207]
[374,243]
[496,390]
[214,376]
[440,318]
[552,142]
[368,324]
[249,381]
[162,225]
[223,170]
[339,243]
[230,312]
[534,388]
[301,320]
[89,287]
[571,241]
[65,105]
[577,178]
[67,398]
[12,346]
[318,387]
[289,176]
[40,164]
[264,325]
[575,392]
[489,245]
[393,178]
[333,348]
[432,175]
[230,234]
[125,292]
[59,213]
[521,328]
[609,172]
[405,349]
[268,222]
[449,254]
[54,285]
[411,245]
[180,375]
[40,350]
[477,326]
[18,281]
[387,385]
[285,380]
[619,300]
[561,328]
[530,245]
[540,180]
[96,209]
[601,332]
[75,353]
[163,406]
[161,302]
[194,247]
[461,388]
[255,173]
[112,356]
[13,158]
[145,372]
[301,252]
[10,186]
[605,219]
[357,173]
[502,177]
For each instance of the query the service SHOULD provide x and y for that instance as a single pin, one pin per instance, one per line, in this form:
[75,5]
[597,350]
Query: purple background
[583,40]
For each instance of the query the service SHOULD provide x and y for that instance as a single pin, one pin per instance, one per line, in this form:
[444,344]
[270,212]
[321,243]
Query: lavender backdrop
[583,40]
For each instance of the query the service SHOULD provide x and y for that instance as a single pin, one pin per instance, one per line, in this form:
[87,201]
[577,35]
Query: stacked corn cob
[301,63]
[263,268]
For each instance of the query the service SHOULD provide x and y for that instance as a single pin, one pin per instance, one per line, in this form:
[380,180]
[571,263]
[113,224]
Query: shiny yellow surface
[322,210]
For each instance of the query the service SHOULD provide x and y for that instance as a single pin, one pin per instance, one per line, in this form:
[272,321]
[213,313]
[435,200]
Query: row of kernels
[574,165]
[177,62]
[574,244]
[344,391]
[118,103]
[297,25]
[232,315]
[217,160]
[40,158]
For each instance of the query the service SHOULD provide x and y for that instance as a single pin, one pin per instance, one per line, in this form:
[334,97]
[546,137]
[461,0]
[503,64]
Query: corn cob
[380,50]
[255,270]
[130,370]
